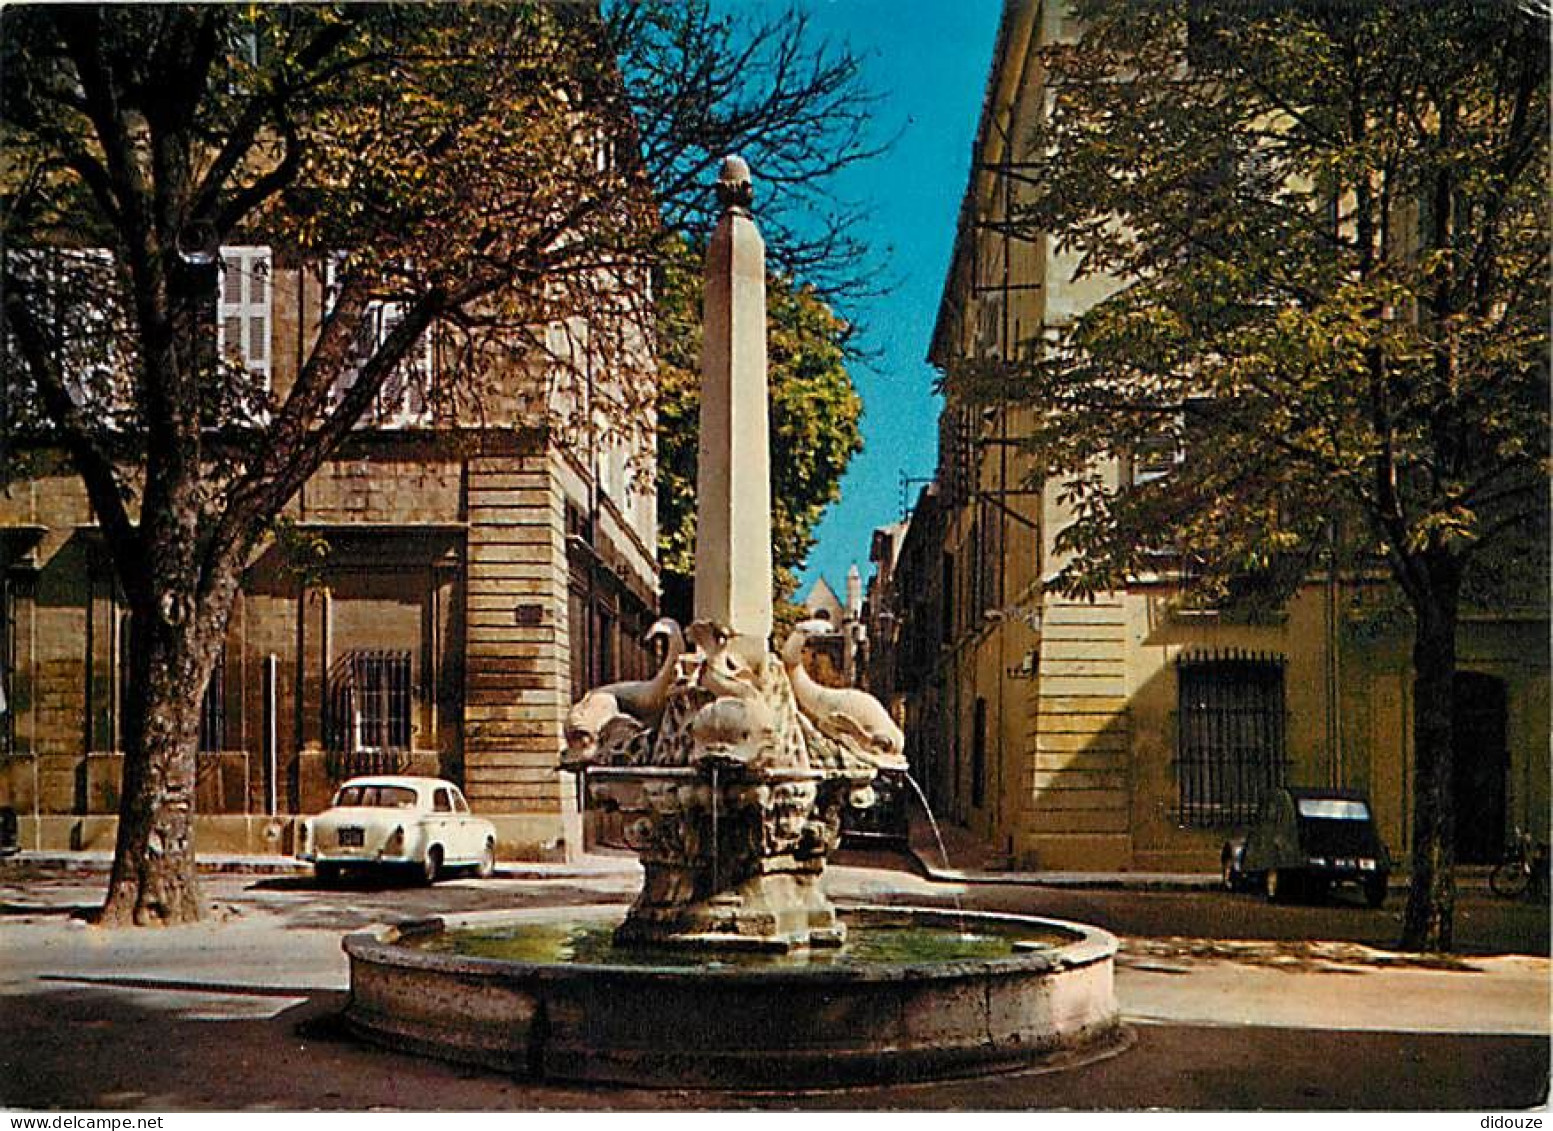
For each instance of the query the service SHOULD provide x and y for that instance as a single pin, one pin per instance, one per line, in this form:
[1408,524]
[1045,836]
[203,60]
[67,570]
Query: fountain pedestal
[732,856]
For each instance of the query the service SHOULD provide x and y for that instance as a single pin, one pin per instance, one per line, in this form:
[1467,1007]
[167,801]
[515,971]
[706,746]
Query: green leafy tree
[487,169]
[815,414]
[1330,226]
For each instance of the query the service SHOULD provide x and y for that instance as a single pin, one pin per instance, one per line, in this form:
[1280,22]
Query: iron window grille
[1231,736]
[368,719]
[213,709]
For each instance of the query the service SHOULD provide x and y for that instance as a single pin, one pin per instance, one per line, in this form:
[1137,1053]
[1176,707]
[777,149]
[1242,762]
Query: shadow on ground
[162,1047]
[1295,957]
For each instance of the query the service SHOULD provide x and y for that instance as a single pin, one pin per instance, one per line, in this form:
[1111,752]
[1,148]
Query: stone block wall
[518,651]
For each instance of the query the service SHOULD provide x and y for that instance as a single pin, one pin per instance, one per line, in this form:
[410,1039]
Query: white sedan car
[398,822]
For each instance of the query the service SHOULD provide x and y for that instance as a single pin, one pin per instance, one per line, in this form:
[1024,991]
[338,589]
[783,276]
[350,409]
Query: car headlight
[1318,861]
[1367,864]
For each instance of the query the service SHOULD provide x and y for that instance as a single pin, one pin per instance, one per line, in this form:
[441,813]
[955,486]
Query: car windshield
[376,797]
[1333,809]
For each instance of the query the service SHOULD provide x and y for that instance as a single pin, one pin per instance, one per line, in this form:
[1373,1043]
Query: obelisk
[733,464]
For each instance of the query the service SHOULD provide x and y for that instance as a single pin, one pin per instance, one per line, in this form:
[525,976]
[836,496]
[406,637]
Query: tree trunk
[171,655]
[1431,903]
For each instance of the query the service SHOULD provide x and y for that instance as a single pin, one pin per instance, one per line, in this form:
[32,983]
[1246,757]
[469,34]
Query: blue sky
[929,59]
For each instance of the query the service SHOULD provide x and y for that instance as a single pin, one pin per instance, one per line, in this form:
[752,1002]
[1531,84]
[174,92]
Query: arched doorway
[1481,765]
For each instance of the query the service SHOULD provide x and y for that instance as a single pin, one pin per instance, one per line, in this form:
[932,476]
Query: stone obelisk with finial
[733,465]
[731,768]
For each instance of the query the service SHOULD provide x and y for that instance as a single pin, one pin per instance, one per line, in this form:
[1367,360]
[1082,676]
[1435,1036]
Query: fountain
[732,768]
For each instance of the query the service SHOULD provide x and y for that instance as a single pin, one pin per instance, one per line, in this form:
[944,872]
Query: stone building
[1097,735]
[435,598]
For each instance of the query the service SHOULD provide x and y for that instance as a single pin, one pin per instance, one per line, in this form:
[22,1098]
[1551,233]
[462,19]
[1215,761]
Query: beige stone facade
[1076,735]
[435,598]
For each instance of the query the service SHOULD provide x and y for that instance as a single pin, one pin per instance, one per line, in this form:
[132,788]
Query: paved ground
[1229,1003]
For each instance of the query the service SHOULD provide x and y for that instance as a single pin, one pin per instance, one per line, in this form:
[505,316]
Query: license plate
[352,838]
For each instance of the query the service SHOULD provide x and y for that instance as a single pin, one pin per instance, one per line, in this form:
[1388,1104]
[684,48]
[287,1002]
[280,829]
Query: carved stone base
[776,910]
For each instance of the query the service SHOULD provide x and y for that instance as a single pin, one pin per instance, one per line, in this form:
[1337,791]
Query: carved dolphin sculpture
[847,715]
[641,700]
[722,673]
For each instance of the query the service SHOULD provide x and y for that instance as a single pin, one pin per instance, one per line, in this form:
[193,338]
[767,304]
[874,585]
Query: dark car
[1306,840]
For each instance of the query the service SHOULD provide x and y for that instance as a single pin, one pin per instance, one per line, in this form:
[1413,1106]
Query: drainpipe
[271,737]
[1337,773]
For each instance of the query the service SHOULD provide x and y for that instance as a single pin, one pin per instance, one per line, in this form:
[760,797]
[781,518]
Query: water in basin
[591,943]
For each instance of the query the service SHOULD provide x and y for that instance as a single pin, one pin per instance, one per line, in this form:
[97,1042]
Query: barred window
[369,702]
[979,755]
[1230,736]
[213,709]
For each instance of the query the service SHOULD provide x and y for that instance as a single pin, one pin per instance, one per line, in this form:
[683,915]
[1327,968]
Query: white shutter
[243,309]
[402,400]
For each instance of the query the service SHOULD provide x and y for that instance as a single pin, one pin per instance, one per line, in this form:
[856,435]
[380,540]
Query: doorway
[1480,767]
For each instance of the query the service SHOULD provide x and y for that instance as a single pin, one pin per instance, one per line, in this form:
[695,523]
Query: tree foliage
[704,85]
[815,417]
[477,169]
[1328,224]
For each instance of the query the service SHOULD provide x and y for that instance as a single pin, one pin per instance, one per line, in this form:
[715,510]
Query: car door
[471,843]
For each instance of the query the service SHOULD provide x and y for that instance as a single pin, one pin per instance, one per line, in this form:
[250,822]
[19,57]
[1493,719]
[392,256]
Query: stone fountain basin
[732,1025]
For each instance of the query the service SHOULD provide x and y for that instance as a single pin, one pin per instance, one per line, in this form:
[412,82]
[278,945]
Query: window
[213,708]
[603,660]
[979,756]
[1230,736]
[441,802]
[946,591]
[7,667]
[243,309]
[76,293]
[369,706]
[1332,809]
[1154,457]
[375,797]
[401,401]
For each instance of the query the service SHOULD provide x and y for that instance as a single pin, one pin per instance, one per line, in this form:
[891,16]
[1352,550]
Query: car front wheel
[1375,890]
[487,865]
[326,874]
[431,865]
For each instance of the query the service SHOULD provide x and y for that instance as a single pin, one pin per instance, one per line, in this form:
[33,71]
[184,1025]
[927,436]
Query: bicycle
[1523,870]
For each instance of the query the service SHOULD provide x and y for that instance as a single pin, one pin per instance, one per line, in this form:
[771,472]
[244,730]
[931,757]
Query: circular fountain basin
[915,993]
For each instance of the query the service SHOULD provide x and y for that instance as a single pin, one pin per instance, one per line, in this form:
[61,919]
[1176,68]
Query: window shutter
[244,309]
[402,399]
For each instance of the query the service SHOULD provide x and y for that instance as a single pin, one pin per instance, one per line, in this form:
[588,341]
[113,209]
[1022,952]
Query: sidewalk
[971,861]
[227,863]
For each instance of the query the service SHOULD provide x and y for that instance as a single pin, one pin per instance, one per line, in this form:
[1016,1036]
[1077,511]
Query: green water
[592,943]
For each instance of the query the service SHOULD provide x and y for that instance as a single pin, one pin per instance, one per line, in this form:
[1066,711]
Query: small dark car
[1306,840]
